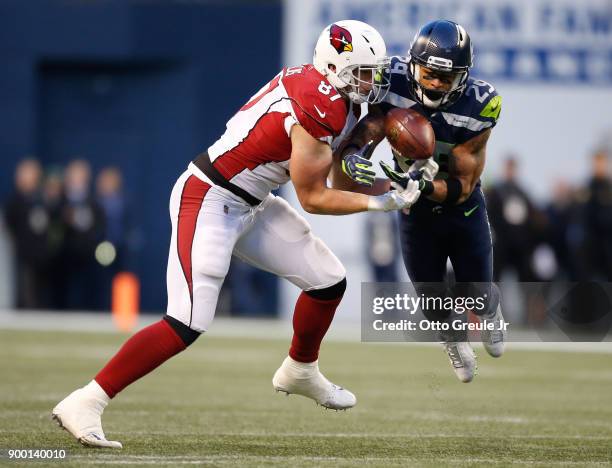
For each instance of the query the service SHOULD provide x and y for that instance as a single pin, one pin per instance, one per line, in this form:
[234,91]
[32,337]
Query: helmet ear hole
[331,67]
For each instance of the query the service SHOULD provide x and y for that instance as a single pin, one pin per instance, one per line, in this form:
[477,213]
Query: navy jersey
[474,112]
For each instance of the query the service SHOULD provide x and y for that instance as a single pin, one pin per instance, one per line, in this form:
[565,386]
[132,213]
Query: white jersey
[254,151]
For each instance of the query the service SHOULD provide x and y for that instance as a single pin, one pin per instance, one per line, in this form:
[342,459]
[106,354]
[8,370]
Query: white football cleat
[494,340]
[80,413]
[305,379]
[462,358]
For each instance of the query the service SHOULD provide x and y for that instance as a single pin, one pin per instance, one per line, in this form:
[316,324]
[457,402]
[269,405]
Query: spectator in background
[383,246]
[563,229]
[53,190]
[28,221]
[111,253]
[598,220]
[84,222]
[109,195]
[511,214]
[52,194]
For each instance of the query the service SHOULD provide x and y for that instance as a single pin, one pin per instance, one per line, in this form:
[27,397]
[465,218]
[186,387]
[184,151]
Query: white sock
[94,389]
[302,369]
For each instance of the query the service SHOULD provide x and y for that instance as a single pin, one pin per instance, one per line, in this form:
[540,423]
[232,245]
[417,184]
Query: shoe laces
[496,336]
[454,354]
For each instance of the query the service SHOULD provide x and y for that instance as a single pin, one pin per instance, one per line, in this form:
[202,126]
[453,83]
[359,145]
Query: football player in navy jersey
[450,219]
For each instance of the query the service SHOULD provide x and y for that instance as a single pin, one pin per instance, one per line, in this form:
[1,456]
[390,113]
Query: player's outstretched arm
[466,166]
[310,163]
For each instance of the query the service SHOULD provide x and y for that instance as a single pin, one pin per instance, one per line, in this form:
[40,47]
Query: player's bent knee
[435,293]
[186,334]
[325,268]
[335,291]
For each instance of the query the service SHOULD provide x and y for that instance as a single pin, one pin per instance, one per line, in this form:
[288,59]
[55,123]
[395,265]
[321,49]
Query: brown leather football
[410,134]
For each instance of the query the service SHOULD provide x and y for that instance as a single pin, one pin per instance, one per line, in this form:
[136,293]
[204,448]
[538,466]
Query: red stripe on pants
[192,198]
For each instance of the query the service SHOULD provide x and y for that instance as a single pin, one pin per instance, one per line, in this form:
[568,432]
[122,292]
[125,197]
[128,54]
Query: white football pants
[209,224]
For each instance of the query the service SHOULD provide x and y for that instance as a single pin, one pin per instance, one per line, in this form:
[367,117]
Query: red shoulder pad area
[316,103]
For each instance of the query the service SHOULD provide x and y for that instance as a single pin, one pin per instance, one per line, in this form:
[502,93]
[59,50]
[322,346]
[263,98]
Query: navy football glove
[359,168]
[402,178]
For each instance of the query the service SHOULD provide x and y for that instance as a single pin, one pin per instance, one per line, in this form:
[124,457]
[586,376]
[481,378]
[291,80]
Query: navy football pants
[432,233]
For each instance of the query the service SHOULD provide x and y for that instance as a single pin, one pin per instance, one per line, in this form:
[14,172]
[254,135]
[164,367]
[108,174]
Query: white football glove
[397,199]
[428,167]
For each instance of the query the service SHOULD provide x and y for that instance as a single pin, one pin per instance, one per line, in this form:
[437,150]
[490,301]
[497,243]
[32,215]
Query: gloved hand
[428,167]
[358,168]
[421,174]
[398,199]
[400,178]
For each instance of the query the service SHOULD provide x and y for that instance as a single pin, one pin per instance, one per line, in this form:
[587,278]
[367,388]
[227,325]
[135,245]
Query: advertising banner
[560,41]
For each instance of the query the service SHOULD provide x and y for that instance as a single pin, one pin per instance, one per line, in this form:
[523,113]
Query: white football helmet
[352,56]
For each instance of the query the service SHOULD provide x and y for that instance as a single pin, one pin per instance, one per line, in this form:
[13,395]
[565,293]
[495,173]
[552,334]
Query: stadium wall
[142,85]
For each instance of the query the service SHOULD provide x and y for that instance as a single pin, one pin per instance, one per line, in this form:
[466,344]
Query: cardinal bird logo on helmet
[340,39]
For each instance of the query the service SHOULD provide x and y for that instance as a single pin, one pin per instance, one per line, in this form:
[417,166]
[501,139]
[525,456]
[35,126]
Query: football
[410,134]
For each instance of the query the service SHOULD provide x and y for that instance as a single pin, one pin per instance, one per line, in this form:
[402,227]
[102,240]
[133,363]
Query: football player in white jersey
[285,132]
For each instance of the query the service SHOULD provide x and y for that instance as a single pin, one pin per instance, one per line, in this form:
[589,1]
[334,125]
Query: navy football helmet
[441,49]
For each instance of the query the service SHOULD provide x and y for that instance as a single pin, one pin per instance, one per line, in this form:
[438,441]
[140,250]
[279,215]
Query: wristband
[453,191]
[426,187]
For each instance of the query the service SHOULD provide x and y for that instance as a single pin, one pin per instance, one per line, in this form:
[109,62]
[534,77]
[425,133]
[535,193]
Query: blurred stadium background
[105,102]
[111,99]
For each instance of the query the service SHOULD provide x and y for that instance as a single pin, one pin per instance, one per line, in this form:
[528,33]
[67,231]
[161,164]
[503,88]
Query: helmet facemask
[365,83]
[434,98]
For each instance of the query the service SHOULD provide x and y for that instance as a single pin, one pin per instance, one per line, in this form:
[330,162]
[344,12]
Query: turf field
[215,405]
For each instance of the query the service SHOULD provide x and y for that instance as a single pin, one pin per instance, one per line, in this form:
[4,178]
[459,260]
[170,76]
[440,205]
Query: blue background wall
[142,85]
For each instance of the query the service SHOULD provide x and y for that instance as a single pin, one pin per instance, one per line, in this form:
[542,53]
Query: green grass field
[214,405]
